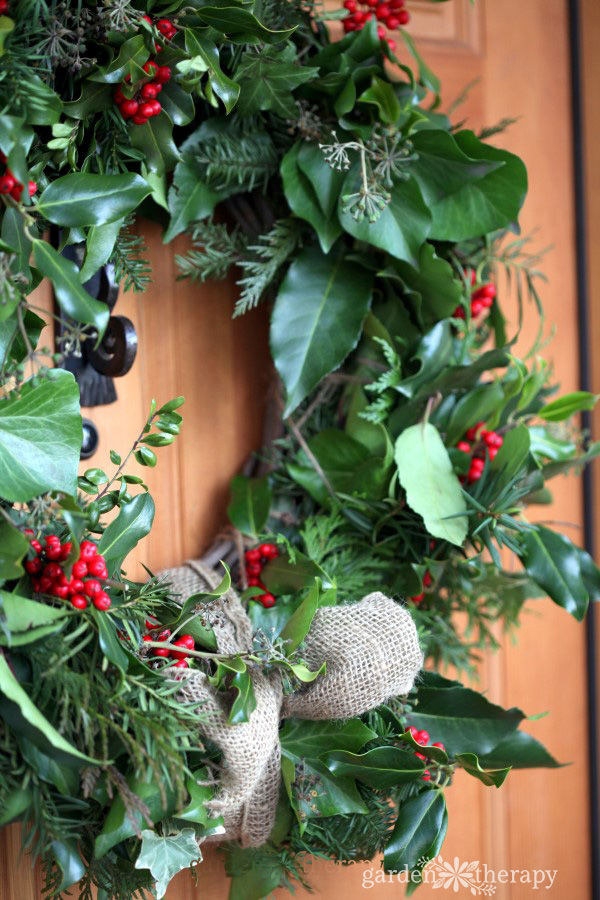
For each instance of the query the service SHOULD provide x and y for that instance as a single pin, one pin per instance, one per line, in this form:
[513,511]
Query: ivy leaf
[382,95]
[155,141]
[40,438]
[166,856]
[21,714]
[306,200]
[72,298]
[419,831]
[402,226]
[250,504]
[66,854]
[433,278]
[556,565]
[317,319]
[380,768]
[470,187]
[120,823]
[94,98]
[80,199]
[267,80]
[13,547]
[325,181]
[432,488]
[284,576]
[131,525]
[567,406]
[190,199]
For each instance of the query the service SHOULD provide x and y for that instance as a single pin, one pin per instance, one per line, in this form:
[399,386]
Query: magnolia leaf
[80,199]
[250,504]
[432,488]
[40,438]
[72,298]
[317,319]
[168,855]
[99,244]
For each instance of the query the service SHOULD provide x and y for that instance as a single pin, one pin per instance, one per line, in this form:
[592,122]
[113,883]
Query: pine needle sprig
[215,250]
[128,259]
[271,253]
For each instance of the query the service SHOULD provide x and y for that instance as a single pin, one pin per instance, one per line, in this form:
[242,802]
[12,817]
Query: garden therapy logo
[455,875]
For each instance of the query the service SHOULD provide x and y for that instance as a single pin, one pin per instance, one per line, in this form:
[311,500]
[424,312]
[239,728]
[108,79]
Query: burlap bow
[371,651]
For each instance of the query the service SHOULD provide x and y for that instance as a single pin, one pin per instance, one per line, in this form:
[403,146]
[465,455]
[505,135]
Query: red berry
[380,32]
[269,551]
[80,568]
[151,68]
[165,26]
[180,664]
[422,738]
[164,635]
[186,640]
[181,642]
[3,6]
[267,600]
[79,601]
[101,600]
[351,5]
[392,45]
[87,550]
[420,755]
[152,624]
[413,731]
[396,4]
[473,432]
[157,86]
[156,107]
[163,74]
[52,539]
[146,110]
[392,22]
[29,532]
[493,452]
[97,567]
[254,582]
[65,550]
[76,586]
[139,120]
[348,25]
[129,108]
[254,569]
[439,745]
[160,651]
[53,551]
[31,187]
[476,308]
[37,547]
[59,590]
[253,555]
[33,566]
[463,446]
[45,584]
[417,598]
[148,92]
[403,16]
[427,579]
[382,11]
[426,775]
[7,183]
[147,19]
[36,585]
[52,570]
[92,587]
[17,191]
[147,637]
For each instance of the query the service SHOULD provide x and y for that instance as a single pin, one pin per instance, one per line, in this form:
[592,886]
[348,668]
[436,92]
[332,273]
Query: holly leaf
[419,832]
[132,51]
[557,565]
[165,856]
[471,764]
[205,57]
[520,750]
[317,319]
[81,199]
[432,488]
[190,199]
[240,26]
[72,298]
[130,526]
[93,98]
[302,739]
[267,79]
[380,768]
[155,141]
[250,504]
[99,244]
[40,438]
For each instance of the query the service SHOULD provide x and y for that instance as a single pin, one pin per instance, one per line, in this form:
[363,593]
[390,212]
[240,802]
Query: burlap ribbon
[371,651]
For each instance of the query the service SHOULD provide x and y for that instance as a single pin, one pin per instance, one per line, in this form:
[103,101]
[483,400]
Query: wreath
[410,442]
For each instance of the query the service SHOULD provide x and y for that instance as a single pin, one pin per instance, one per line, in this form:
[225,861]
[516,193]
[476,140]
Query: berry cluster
[388,13]
[186,642]
[477,441]
[426,583]
[256,559]
[49,576]
[10,185]
[143,105]
[481,298]
[422,737]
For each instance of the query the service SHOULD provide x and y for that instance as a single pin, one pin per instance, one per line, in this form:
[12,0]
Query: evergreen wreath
[412,437]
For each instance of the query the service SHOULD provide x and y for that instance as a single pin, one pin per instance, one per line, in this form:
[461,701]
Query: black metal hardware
[90,441]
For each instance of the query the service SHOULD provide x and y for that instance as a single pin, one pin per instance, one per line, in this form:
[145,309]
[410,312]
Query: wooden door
[519,53]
